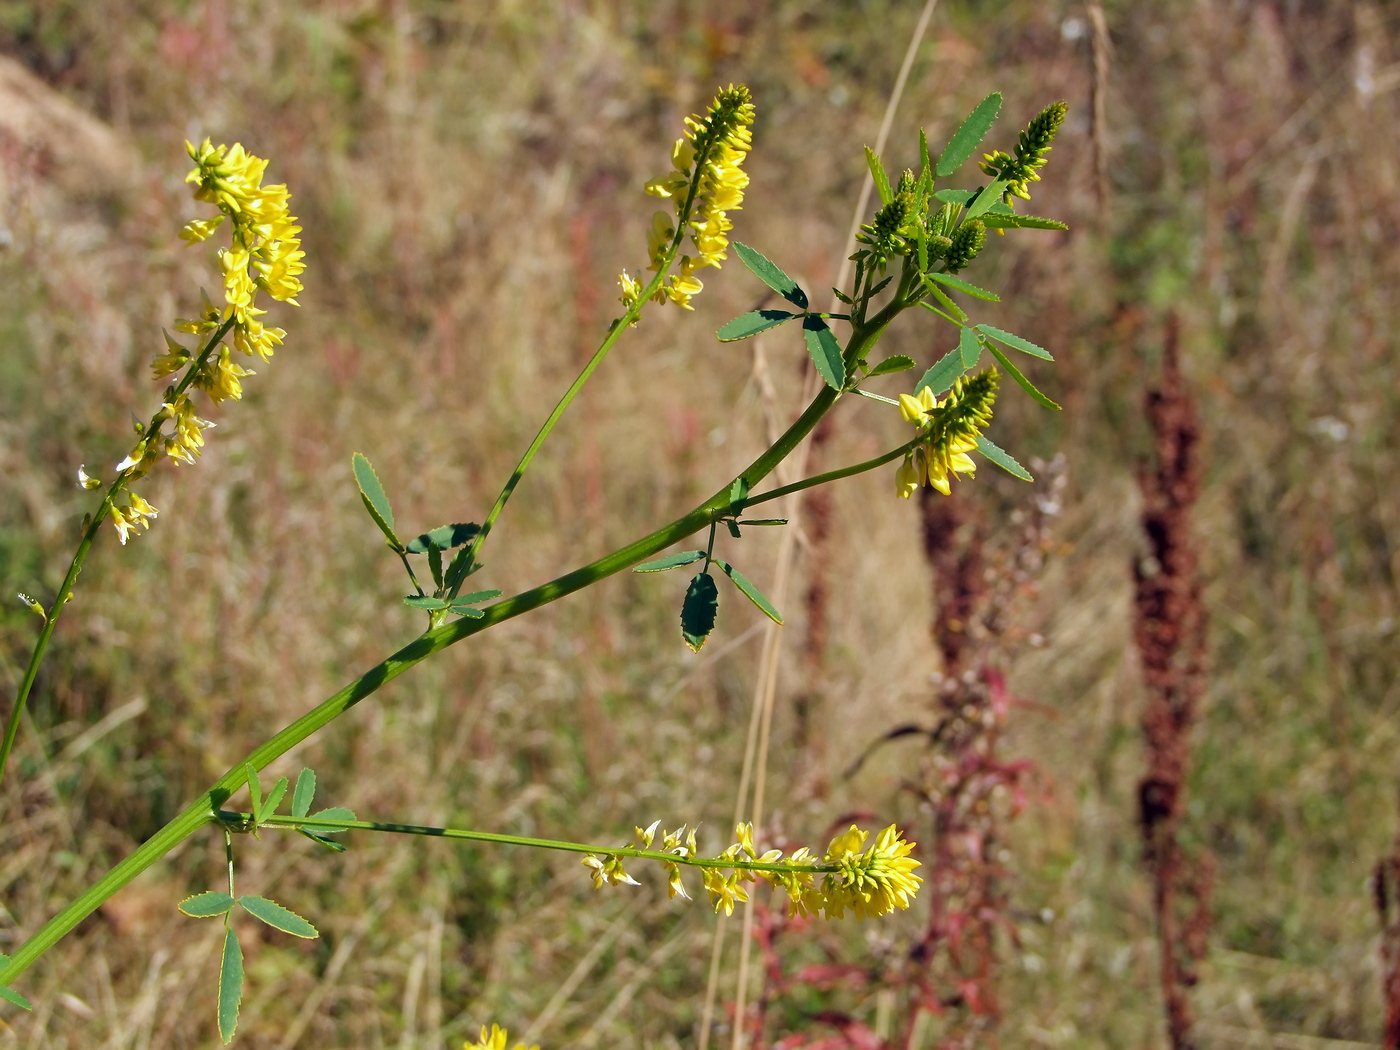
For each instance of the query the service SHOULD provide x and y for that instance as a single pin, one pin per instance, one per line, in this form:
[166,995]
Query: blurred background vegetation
[469,178]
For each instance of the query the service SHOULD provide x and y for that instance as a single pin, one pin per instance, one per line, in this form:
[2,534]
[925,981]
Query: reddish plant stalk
[1386,884]
[1169,629]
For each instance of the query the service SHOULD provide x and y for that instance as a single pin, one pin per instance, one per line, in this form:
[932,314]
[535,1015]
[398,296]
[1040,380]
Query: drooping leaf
[897,363]
[698,611]
[444,538]
[670,561]
[1015,342]
[372,493]
[733,527]
[274,798]
[1012,221]
[768,272]
[958,284]
[986,198]
[750,592]
[763,521]
[968,135]
[969,348]
[303,793]
[278,917]
[254,789]
[825,351]
[1002,459]
[877,172]
[321,840]
[944,373]
[471,612]
[425,601]
[230,986]
[206,905]
[333,813]
[752,323]
[1015,373]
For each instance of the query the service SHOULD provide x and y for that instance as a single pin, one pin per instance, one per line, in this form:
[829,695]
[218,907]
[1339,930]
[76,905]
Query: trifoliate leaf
[1015,373]
[206,905]
[443,538]
[768,272]
[877,172]
[303,793]
[968,135]
[1015,342]
[958,284]
[671,561]
[825,351]
[944,373]
[278,917]
[1002,459]
[752,323]
[969,348]
[698,611]
[425,601]
[897,363]
[376,502]
[750,592]
[230,986]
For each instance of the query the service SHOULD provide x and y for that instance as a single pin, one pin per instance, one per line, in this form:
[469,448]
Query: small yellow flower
[175,358]
[86,480]
[724,890]
[494,1039]
[200,229]
[128,518]
[608,872]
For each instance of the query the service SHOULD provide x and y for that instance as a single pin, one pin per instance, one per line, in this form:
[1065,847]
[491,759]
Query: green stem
[834,475]
[75,567]
[244,819]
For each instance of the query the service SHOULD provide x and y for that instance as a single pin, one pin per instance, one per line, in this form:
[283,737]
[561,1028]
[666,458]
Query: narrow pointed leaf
[274,797]
[476,596]
[825,351]
[333,813]
[944,373]
[435,566]
[460,568]
[230,986]
[1002,459]
[444,538]
[958,284]
[303,793]
[750,592]
[471,612]
[948,304]
[254,790]
[425,601]
[206,905]
[1015,342]
[925,165]
[768,272]
[968,135]
[375,500]
[988,196]
[698,611]
[969,348]
[278,917]
[330,844]
[897,363]
[738,492]
[9,994]
[998,219]
[752,323]
[877,172]
[1015,373]
[671,561]
[955,196]
[763,521]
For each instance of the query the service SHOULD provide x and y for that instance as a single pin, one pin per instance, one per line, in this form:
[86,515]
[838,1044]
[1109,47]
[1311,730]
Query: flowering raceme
[706,181]
[264,255]
[951,427]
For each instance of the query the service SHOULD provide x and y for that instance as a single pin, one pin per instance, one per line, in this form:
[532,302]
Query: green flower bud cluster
[1031,148]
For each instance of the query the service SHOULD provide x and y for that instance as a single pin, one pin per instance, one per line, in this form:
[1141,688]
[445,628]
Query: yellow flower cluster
[868,882]
[495,1039]
[707,180]
[264,254]
[952,428]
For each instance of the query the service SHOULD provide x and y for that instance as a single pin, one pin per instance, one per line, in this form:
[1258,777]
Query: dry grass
[469,178]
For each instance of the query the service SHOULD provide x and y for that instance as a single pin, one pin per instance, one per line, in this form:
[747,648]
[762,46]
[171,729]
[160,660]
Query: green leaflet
[1002,459]
[475,596]
[958,284]
[1015,342]
[752,323]
[333,813]
[699,610]
[897,363]
[960,197]
[750,592]
[877,172]
[986,198]
[230,986]
[274,799]
[443,538]
[9,994]
[968,135]
[254,789]
[303,793]
[1015,374]
[969,348]
[825,351]
[206,905]
[925,165]
[425,601]
[768,272]
[670,561]
[375,500]
[1011,221]
[278,917]
[944,373]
